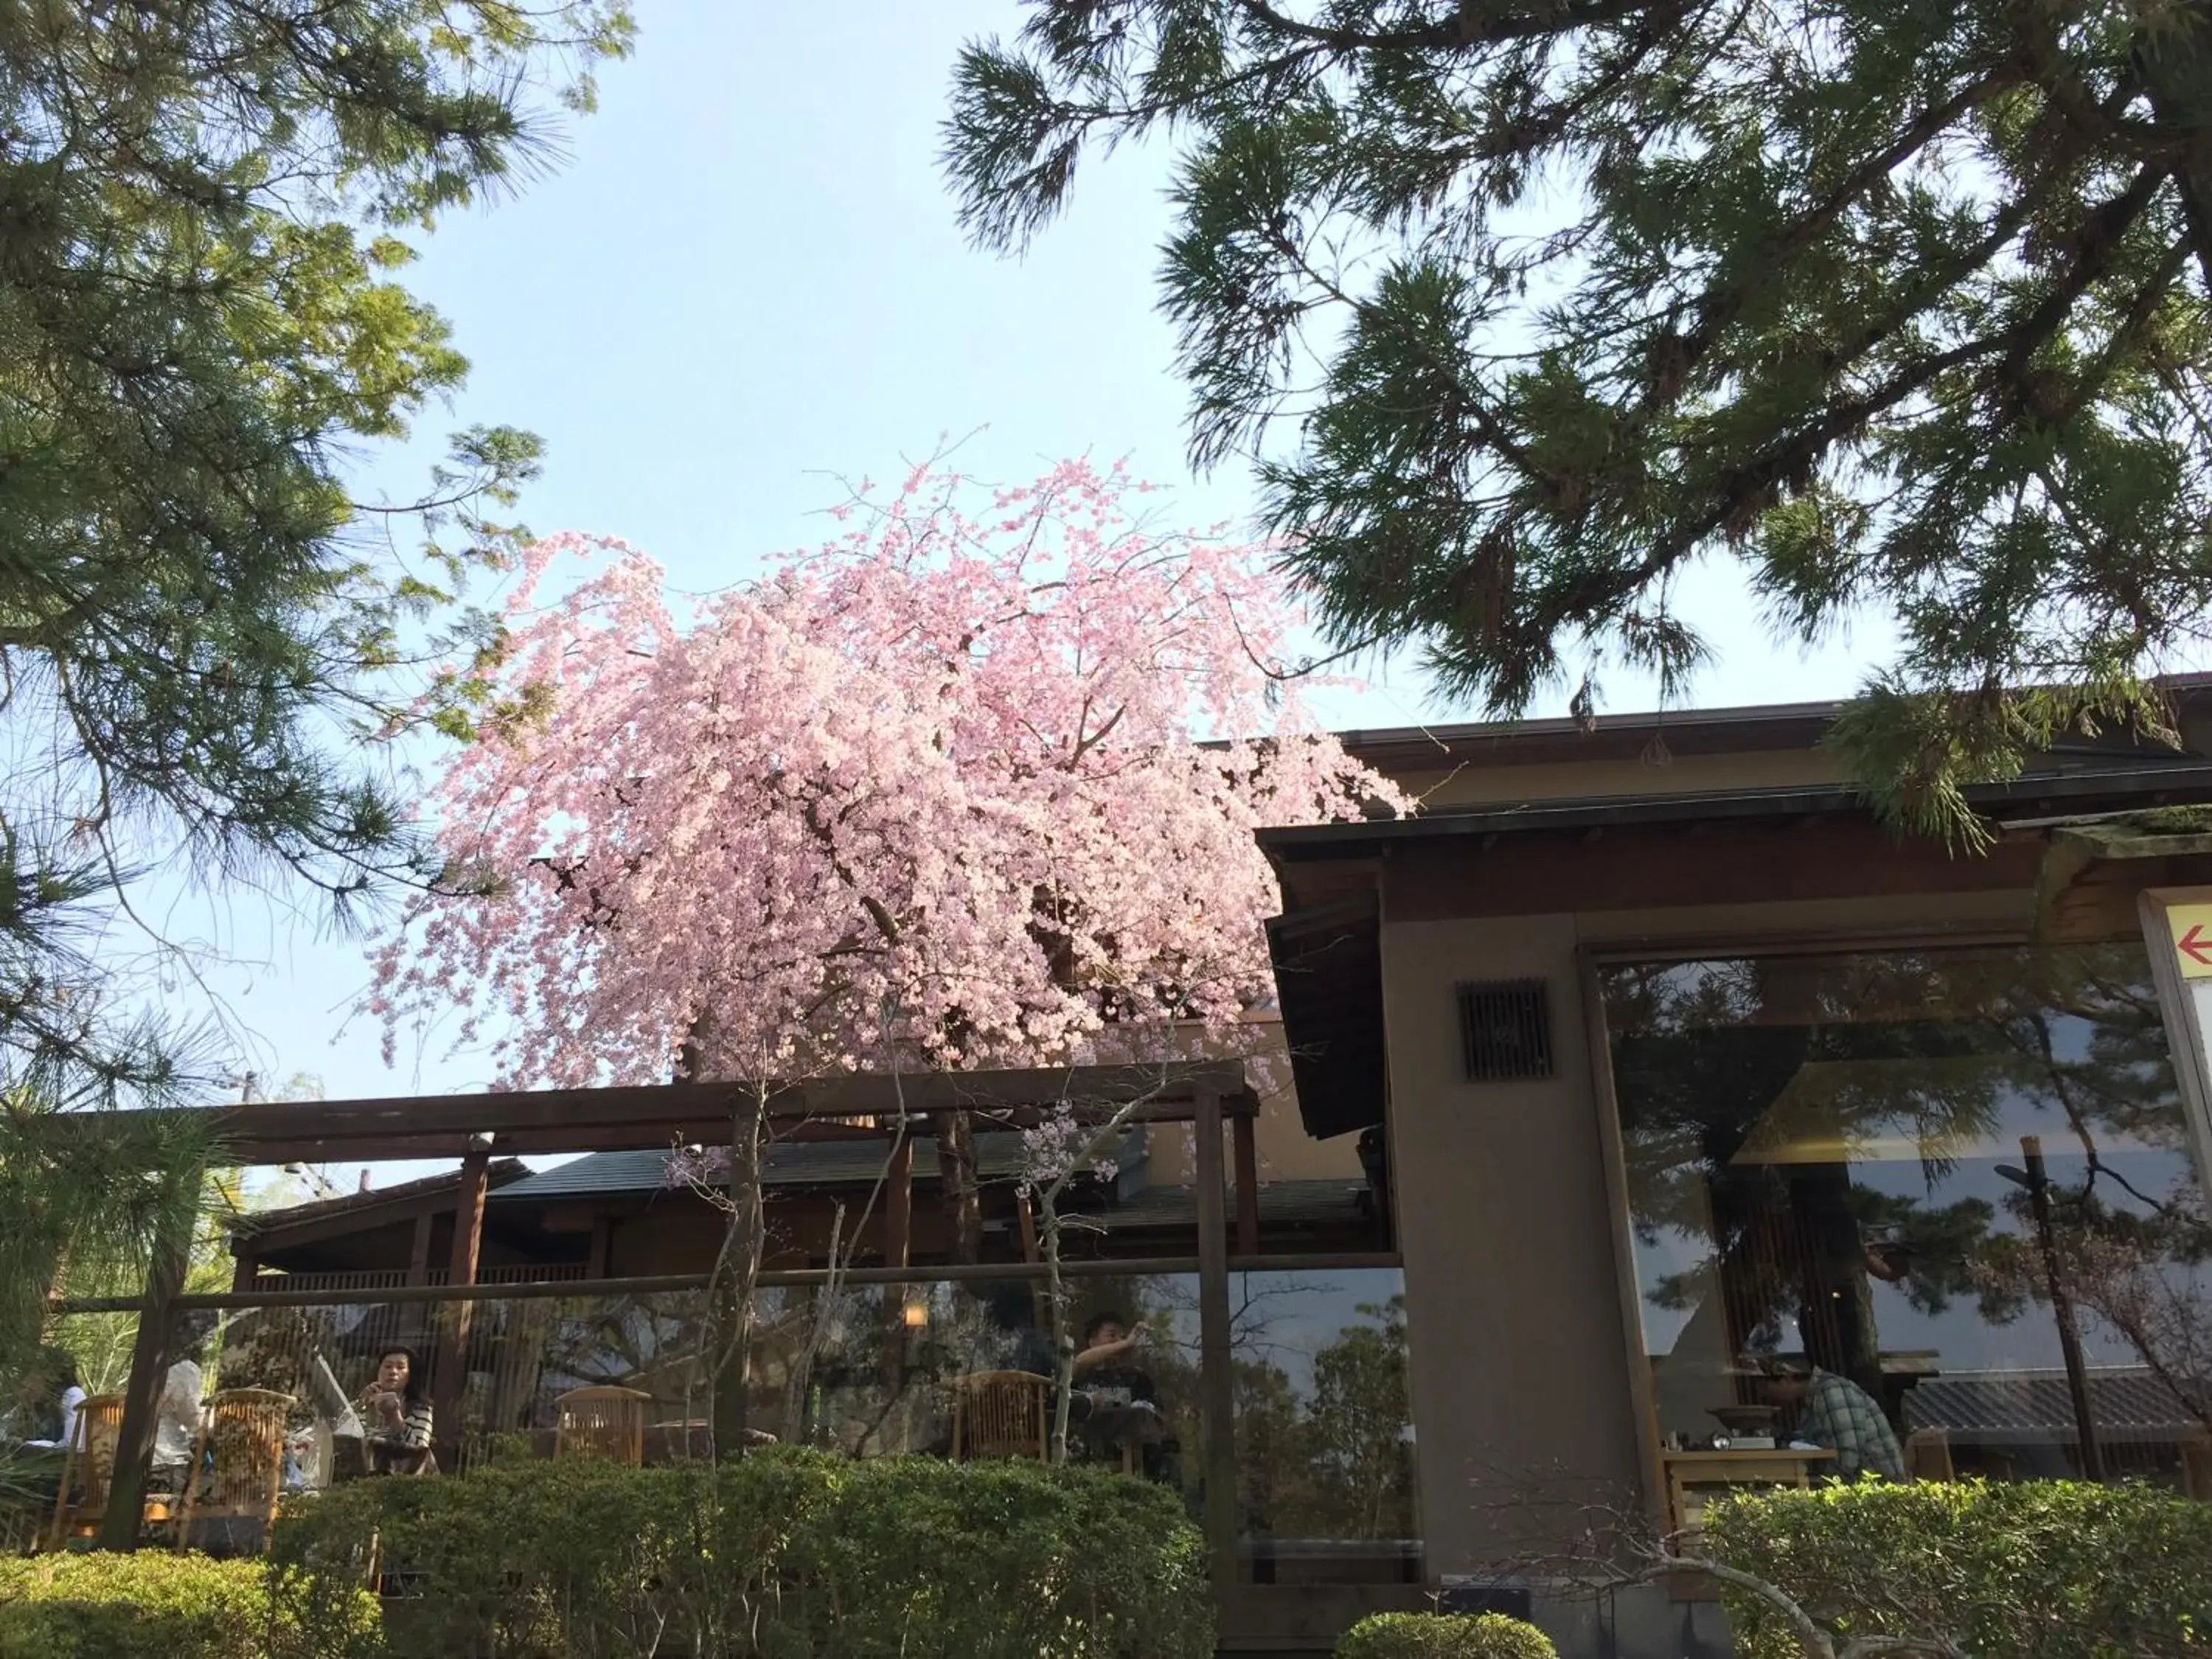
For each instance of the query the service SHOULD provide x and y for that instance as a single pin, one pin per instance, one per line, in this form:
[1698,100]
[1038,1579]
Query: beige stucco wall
[1475,781]
[1285,1151]
[1518,1366]
[1520,1351]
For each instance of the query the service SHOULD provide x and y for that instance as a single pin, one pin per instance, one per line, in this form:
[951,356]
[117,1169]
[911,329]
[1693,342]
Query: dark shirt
[1139,1384]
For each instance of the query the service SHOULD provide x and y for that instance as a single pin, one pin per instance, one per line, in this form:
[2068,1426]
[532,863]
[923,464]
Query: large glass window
[1324,1426]
[1909,1183]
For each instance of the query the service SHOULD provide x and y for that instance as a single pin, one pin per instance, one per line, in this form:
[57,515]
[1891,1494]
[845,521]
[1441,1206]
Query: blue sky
[745,278]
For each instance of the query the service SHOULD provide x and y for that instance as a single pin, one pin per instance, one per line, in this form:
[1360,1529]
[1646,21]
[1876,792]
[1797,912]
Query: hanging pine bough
[87,1194]
[205,208]
[1892,305]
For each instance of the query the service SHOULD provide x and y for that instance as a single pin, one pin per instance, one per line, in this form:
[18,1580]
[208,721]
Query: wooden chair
[1928,1455]
[245,1430]
[90,1453]
[999,1414]
[603,1425]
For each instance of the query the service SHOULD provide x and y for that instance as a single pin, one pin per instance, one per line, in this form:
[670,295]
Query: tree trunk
[964,1206]
[1063,1339]
[737,1277]
[736,1271]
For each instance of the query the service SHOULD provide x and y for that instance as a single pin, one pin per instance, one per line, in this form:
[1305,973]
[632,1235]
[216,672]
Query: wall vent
[1505,1031]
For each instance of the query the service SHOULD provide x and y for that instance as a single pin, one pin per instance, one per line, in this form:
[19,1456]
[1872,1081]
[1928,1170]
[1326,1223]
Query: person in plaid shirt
[1835,1414]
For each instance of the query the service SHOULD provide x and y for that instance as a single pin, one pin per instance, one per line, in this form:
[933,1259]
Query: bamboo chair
[999,1415]
[93,1437]
[1928,1455]
[601,1424]
[246,1429]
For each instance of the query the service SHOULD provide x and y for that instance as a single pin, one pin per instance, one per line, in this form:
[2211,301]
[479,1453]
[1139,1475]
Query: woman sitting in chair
[395,1414]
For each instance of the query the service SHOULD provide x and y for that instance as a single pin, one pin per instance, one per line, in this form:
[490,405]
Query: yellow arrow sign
[2190,926]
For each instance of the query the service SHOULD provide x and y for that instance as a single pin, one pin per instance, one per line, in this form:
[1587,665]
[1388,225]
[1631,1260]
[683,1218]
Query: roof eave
[2155,784]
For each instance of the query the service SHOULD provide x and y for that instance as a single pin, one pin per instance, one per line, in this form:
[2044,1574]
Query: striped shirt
[411,1431]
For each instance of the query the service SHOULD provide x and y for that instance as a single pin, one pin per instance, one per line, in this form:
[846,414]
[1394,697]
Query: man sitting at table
[1835,1414]
[1117,1400]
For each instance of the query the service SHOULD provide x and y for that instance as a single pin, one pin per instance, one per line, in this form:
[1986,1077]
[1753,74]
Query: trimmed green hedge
[785,1555]
[1444,1636]
[2033,1570]
[159,1606]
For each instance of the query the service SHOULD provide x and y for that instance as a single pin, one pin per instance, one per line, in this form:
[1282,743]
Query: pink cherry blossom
[953,791]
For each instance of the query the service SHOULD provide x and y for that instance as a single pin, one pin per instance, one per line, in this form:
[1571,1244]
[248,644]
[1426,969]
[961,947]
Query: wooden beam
[246,1265]
[1742,862]
[1216,1394]
[1243,1141]
[1124,1267]
[149,1364]
[898,1204]
[671,1113]
[450,1376]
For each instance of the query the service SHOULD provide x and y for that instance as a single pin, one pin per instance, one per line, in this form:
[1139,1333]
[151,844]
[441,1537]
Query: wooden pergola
[477,1129]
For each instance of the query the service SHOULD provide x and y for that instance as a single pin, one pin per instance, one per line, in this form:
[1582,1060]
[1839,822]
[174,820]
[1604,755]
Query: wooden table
[1684,1470]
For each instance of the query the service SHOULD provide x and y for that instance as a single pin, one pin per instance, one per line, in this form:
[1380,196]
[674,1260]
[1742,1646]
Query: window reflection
[1324,1426]
[1833,1163]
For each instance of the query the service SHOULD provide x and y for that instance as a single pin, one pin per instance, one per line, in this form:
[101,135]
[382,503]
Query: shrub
[156,1605]
[783,1554]
[2041,1569]
[1444,1636]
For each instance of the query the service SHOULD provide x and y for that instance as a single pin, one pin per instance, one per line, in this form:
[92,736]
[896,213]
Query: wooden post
[1217,1397]
[1025,1217]
[149,1364]
[898,1203]
[418,1256]
[1243,1141]
[598,1263]
[245,1267]
[450,1378]
[1040,1298]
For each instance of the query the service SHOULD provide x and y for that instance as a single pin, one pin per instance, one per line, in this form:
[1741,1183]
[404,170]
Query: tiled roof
[793,1164]
[2039,1403]
[501,1172]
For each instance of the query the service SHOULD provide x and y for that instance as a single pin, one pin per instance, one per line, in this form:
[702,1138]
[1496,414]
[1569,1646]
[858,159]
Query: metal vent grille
[1505,1031]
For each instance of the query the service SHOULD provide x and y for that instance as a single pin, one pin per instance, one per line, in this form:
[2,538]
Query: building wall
[1519,1338]
[1518,1367]
[1473,781]
[1285,1151]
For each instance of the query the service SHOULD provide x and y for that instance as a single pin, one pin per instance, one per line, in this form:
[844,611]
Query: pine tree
[202,205]
[1525,309]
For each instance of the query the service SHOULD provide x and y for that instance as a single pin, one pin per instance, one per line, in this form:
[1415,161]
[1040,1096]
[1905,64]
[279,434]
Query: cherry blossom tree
[975,784]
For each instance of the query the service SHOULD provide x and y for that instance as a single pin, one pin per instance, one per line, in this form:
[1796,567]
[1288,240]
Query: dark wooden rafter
[1244,1142]
[681,1113]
